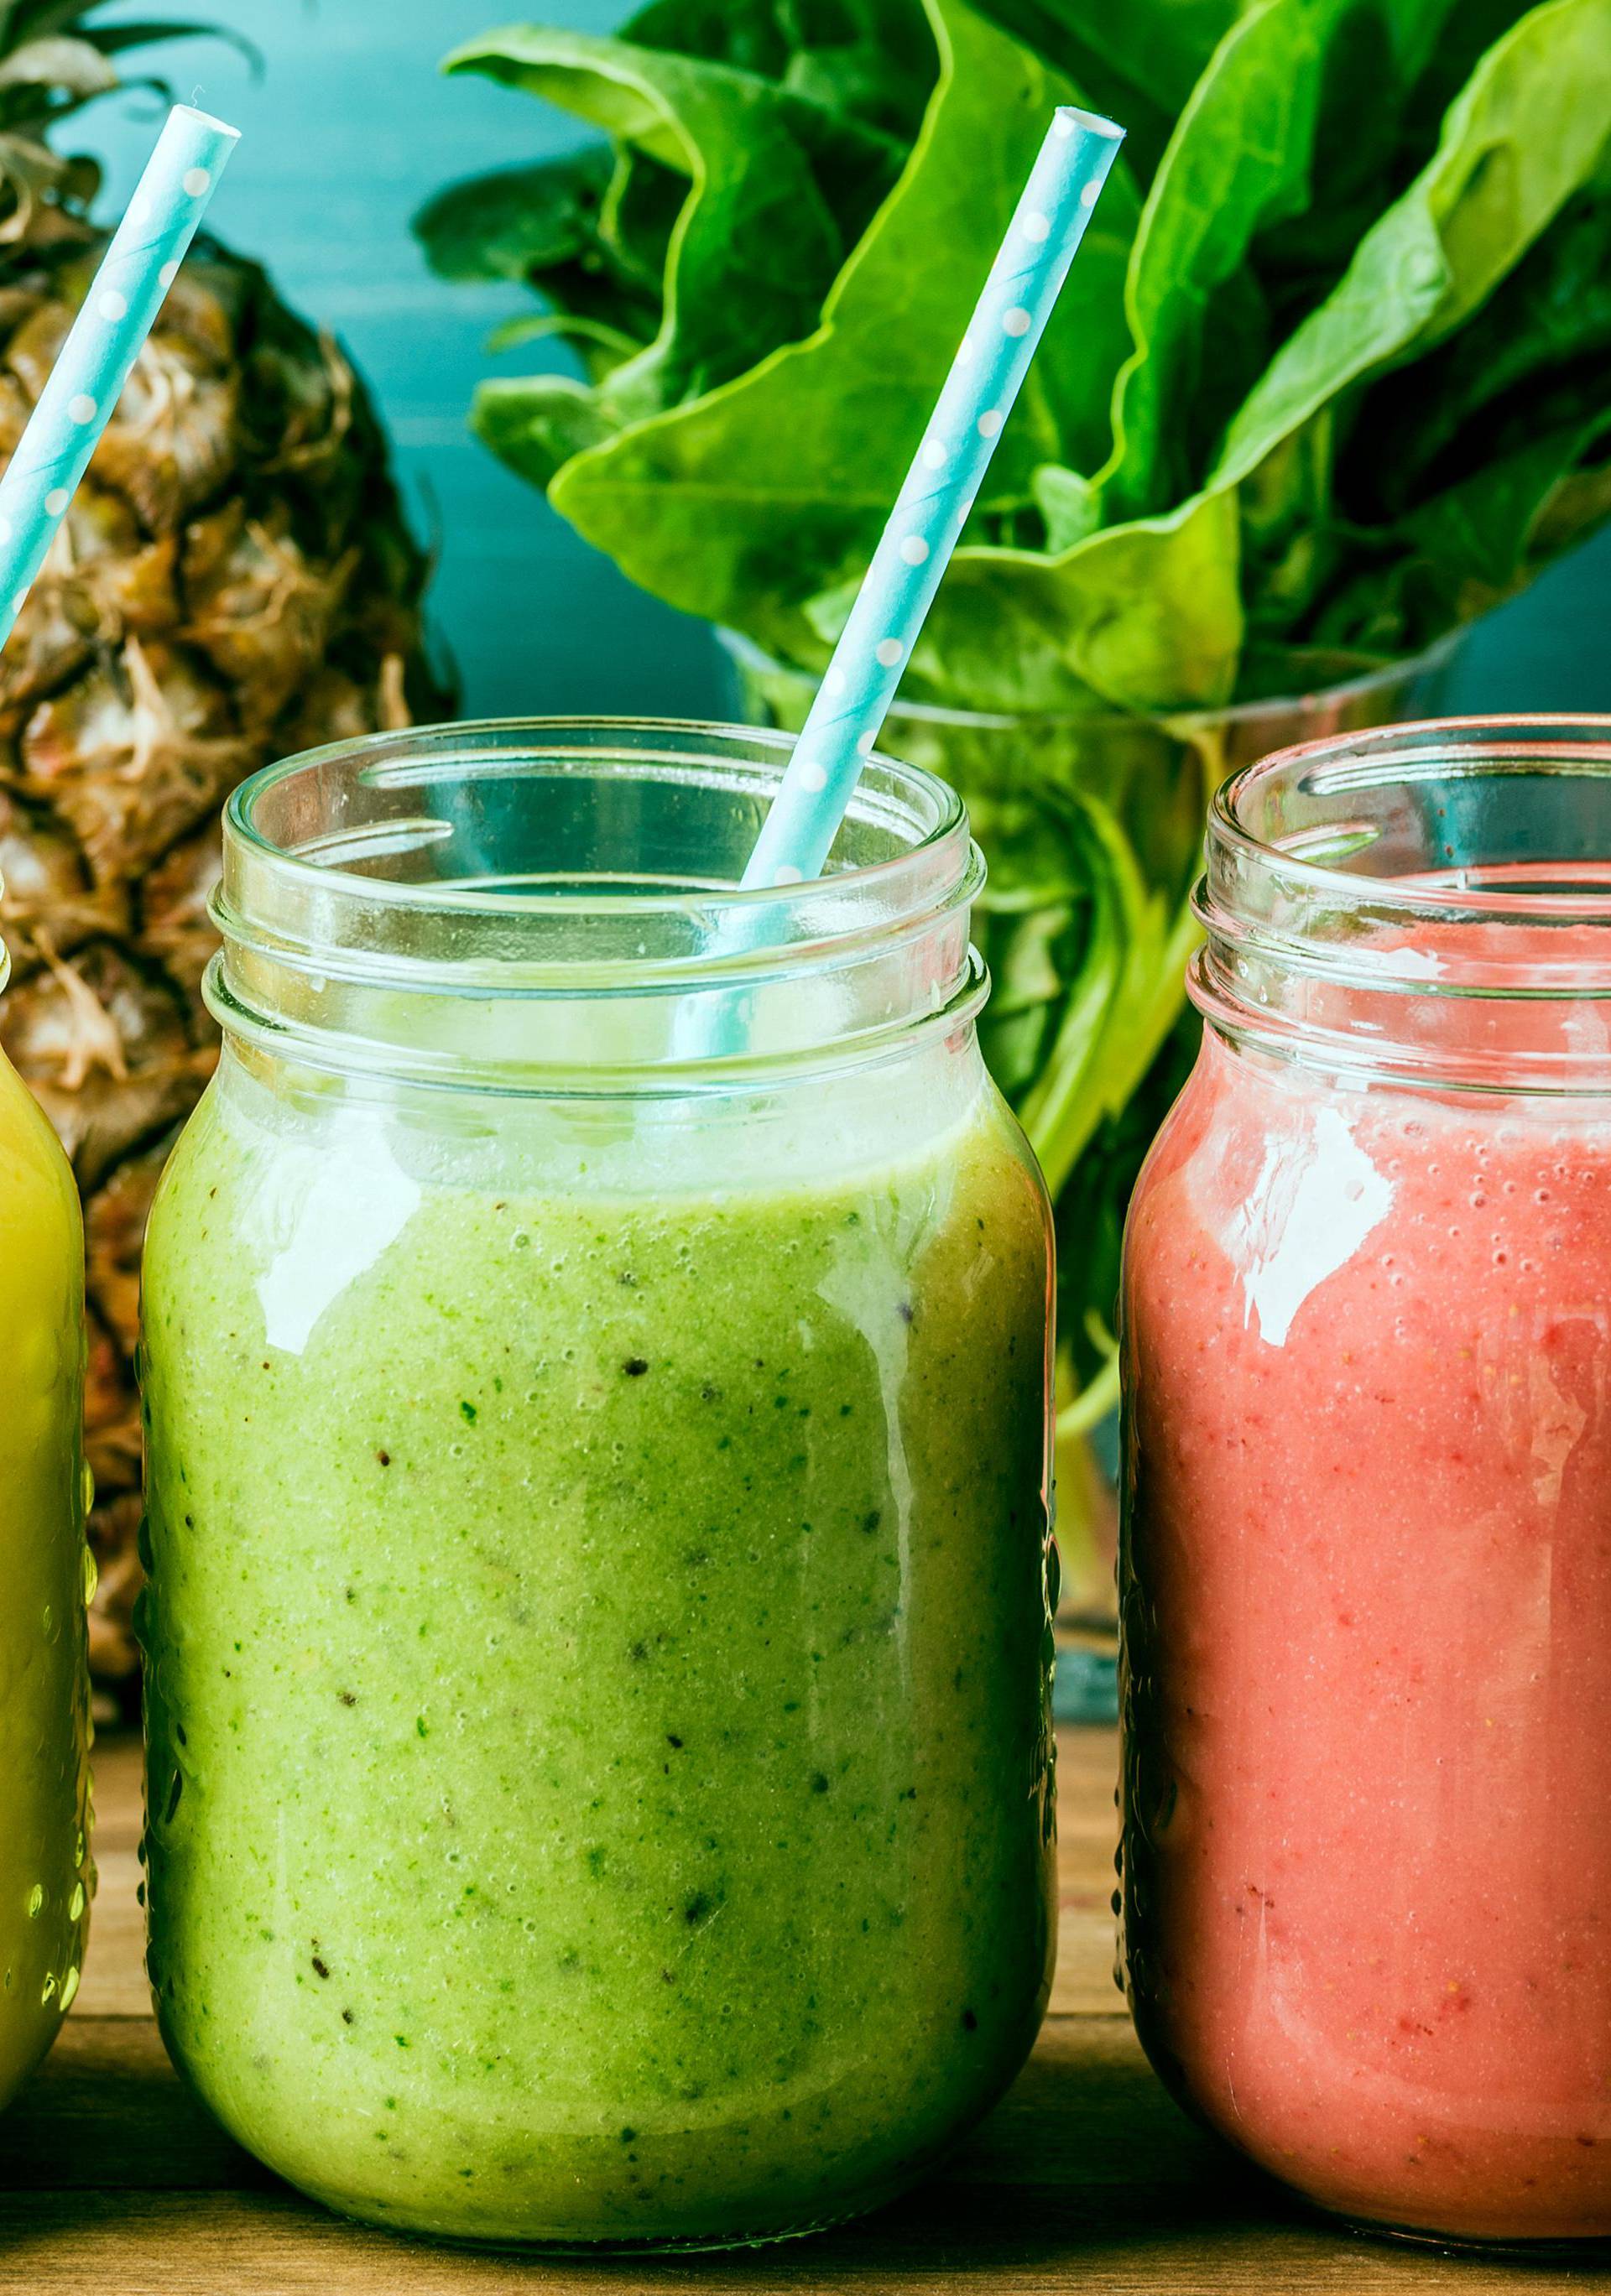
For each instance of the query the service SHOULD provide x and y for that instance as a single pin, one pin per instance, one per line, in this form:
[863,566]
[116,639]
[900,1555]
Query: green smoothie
[598,1632]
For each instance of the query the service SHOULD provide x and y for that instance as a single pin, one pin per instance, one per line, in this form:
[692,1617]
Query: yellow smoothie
[45,1875]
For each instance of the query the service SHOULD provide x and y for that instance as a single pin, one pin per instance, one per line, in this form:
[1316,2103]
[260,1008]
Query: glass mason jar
[45,1869]
[1091,824]
[598,1374]
[1366,1566]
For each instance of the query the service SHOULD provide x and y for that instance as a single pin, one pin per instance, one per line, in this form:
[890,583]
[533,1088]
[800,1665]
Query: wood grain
[112,2177]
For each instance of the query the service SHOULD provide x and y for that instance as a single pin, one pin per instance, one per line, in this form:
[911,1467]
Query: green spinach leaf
[784,477]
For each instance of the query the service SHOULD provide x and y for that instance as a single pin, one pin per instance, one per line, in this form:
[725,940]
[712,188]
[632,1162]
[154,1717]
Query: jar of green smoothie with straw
[598,1355]
[598,1628]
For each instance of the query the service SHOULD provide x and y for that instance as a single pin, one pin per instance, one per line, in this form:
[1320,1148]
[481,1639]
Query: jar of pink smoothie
[1366,1572]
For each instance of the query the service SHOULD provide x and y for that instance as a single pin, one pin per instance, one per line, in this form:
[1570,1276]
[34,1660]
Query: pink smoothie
[1368,1606]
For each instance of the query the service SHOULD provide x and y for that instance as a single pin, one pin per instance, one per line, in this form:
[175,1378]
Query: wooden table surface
[112,2179]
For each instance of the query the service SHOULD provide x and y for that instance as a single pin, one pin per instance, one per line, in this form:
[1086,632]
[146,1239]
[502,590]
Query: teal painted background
[348,131]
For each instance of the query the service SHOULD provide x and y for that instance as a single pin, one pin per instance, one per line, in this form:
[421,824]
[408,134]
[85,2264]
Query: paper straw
[107,337]
[986,376]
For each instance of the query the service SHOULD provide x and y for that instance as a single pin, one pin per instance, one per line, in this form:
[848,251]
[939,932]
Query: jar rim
[413,901]
[1528,740]
[1428,901]
[549,735]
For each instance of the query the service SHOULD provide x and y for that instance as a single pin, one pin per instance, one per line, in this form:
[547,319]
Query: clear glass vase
[1092,830]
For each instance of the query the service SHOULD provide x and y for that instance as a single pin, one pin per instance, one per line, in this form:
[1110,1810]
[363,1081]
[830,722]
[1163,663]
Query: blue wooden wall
[349,130]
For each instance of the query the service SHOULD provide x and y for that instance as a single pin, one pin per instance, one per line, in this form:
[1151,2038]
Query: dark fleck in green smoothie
[599,1775]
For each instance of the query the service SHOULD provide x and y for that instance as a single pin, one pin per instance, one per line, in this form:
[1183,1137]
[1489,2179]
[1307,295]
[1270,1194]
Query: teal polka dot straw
[986,376]
[107,337]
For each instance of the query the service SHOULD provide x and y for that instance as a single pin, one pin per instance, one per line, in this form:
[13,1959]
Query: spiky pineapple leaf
[115,39]
[51,64]
[29,25]
[36,20]
[75,68]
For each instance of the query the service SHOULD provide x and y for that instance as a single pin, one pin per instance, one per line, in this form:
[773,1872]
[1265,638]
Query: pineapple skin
[234,581]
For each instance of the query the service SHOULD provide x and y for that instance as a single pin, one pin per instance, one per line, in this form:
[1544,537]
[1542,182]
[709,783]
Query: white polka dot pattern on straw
[84,386]
[950,457]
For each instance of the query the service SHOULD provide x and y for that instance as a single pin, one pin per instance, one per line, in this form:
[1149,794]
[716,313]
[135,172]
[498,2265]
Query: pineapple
[234,581]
